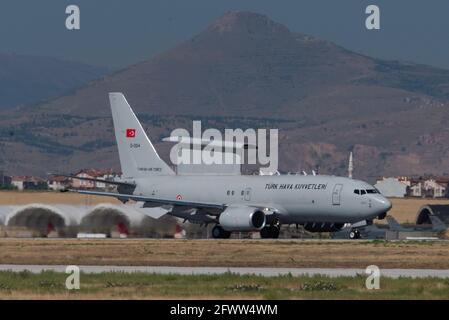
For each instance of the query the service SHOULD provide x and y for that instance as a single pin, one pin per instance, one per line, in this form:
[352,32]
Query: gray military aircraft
[360,230]
[368,230]
[235,202]
[436,225]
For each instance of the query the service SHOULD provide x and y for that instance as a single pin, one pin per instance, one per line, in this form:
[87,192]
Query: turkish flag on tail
[130,133]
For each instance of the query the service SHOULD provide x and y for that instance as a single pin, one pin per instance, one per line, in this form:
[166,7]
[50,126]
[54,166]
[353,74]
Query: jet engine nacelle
[242,219]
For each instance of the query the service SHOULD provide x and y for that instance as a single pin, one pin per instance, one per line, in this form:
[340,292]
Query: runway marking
[265,272]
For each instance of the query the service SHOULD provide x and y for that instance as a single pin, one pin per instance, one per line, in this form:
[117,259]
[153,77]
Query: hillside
[26,79]
[245,70]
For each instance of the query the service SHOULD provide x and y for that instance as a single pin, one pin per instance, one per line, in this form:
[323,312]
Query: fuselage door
[248,194]
[336,194]
[153,190]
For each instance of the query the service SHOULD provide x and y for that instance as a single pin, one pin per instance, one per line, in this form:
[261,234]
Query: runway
[265,272]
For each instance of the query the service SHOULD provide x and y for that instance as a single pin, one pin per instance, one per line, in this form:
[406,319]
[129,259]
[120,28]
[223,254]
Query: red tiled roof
[97,173]
[27,179]
[58,179]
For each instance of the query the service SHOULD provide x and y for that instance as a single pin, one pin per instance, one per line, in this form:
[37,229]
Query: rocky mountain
[26,79]
[245,70]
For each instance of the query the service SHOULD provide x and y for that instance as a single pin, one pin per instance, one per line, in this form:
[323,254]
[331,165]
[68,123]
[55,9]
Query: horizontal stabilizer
[187,141]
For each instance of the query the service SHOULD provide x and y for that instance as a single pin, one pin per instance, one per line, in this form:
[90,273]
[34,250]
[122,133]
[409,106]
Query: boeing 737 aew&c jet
[234,202]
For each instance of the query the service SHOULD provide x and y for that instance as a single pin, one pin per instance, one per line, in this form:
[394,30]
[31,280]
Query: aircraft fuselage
[296,198]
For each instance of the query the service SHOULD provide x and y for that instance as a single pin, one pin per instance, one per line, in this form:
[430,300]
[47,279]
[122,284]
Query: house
[444,187]
[108,175]
[435,187]
[29,183]
[57,183]
[425,187]
[85,184]
[414,186]
[415,189]
[18,182]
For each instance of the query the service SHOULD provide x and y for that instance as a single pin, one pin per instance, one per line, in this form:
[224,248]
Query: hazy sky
[117,33]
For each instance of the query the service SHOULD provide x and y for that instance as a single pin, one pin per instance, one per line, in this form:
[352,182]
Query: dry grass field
[405,210]
[232,253]
[21,198]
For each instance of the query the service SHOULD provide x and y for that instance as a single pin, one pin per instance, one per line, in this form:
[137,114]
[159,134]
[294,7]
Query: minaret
[350,166]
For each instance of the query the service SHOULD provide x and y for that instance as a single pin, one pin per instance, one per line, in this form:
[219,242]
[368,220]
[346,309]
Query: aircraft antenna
[350,165]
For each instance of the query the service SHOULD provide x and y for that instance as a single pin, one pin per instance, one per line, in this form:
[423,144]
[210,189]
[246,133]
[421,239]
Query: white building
[416,189]
[28,182]
[435,188]
[107,175]
[58,183]
[413,187]
[392,187]
[18,182]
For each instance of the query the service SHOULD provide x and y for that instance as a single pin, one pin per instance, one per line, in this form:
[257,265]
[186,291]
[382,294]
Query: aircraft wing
[152,212]
[160,201]
[118,183]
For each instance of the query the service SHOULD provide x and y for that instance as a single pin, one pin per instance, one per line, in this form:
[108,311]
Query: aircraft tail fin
[394,225]
[138,158]
[437,224]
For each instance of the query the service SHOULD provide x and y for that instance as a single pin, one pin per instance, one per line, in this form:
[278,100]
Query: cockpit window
[367,191]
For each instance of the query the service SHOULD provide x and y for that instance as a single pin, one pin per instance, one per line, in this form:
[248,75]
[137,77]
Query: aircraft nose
[385,204]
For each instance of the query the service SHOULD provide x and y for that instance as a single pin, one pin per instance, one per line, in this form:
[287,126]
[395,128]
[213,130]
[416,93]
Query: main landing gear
[270,232]
[219,233]
[354,234]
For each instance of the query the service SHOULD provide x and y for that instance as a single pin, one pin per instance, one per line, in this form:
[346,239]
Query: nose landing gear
[354,234]
[382,216]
